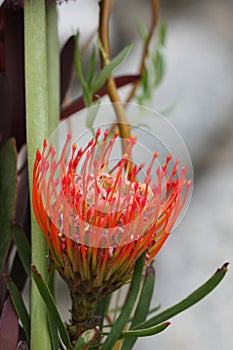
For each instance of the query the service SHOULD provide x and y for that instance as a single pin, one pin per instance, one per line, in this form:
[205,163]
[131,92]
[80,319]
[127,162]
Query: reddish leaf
[67,59]
[9,327]
[78,103]
[2,46]
[13,34]
[6,118]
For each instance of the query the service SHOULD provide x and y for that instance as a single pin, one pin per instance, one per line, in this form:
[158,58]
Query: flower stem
[53,64]
[154,21]
[37,130]
[105,8]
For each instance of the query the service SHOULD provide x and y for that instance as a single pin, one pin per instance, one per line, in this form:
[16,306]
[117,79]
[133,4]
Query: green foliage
[186,303]
[154,70]
[109,67]
[143,307]
[123,318]
[8,187]
[79,70]
[91,115]
[19,306]
[52,325]
[51,306]
[142,30]
[144,332]
[23,248]
[90,83]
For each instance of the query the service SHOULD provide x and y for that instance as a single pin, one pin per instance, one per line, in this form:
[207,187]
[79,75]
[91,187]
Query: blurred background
[198,84]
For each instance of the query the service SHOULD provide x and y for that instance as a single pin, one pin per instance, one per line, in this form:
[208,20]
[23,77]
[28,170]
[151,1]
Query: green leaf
[159,66]
[51,306]
[52,325]
[23,248]
[8,183]
[162,33]
[87,96]
[102,308]
[159,58]
[107,70]
[19,306]
[91,115]
[102,51]
[142,30]
[146,83]
[190,300]
[143,305]
[85,339]
[91,67]
[119,324]
[78,60]
[154,309]
[145,332]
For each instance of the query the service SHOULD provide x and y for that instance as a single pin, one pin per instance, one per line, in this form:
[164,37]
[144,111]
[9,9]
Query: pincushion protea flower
[98,219]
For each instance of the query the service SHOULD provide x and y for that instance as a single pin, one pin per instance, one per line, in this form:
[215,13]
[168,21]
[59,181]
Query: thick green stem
[37,130]
[53,66]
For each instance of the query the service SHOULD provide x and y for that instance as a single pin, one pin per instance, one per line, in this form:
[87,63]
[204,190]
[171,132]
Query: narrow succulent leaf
[91,67]
[144,332]
[186,303]
[117,306]
[52,308]
[143,305]
[107,70]
[102,308]
[8,182]
[53,333]
[23,248]
[52,325]
[119,324]
[85,339]
[154,309]
[100,312]
[19,306]
[9,327]
[78,103]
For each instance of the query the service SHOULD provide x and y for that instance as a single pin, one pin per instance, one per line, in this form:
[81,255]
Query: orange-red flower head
[97,217]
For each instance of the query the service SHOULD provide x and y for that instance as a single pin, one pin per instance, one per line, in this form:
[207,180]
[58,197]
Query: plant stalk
[53,67]
[37,130]
[105,9]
